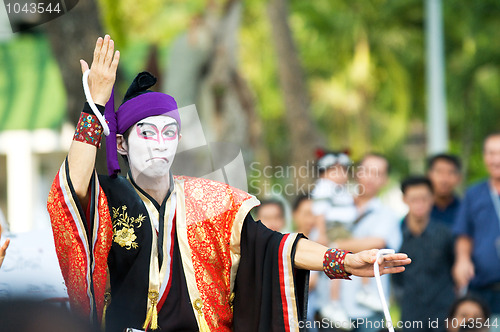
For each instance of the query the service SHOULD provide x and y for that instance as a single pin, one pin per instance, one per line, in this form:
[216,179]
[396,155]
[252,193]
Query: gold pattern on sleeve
[124,227]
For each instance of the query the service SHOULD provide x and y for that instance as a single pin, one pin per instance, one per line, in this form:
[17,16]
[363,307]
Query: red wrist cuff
[333,264]
[88,130]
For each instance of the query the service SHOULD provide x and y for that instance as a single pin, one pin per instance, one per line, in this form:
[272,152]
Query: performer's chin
[157,169]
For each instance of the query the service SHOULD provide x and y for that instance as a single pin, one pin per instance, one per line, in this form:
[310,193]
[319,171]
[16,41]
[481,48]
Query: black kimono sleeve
[270,293]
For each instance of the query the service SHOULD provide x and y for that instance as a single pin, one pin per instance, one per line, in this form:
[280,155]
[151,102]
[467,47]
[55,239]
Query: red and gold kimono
[198,261]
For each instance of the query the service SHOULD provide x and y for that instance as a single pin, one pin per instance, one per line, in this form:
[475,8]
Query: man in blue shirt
[444,171]
[425,291]
[477,228]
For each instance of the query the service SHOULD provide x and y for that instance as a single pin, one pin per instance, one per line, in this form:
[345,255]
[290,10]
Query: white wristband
[92,105]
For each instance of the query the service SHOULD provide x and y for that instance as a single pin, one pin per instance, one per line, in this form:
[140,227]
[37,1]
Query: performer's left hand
[361,264]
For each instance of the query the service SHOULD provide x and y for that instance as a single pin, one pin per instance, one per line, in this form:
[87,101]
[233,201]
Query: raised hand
[3,248]
[103,70]
[361,264]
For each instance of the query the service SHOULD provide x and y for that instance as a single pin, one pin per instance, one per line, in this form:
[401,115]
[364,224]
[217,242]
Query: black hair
[301,198]
[271,202]
[450,158]
[469,298]
[140,85]
[413,181]
[376,155]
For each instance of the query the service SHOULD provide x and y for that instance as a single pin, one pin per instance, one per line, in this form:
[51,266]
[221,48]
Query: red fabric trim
[71,253]
[282,283]
[211,208]
[70,249]
[101,251]
[72,224]
[67,213]
[167,289]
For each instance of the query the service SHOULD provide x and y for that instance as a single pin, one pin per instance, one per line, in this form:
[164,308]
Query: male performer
[154,251]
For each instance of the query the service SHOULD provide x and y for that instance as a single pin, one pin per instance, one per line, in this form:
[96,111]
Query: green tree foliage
[473,74]
[153,21]
[367,77]
[363,82]
[365,68]
[365,62]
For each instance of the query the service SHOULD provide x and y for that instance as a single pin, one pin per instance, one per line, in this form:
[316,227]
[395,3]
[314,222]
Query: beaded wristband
[88,130]
[333,264]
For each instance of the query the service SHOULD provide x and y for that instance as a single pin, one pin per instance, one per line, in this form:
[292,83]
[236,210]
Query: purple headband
[131,112]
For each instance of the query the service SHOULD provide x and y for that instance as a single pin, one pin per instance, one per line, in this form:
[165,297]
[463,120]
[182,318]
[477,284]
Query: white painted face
[151,146]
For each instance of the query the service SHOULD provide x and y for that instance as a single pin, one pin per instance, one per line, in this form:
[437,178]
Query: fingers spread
[391,270]
[84,66]
[394,257]
[109,54]
[401,262]
[97,50]
[116,59]
[104,49]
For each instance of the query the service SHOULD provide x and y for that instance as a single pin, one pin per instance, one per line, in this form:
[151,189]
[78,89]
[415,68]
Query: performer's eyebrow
[146,123]
[171,124]
[153,125]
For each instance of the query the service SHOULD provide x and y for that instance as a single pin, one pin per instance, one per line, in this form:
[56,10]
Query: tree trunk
[304,138]
[72,37]
[202,69]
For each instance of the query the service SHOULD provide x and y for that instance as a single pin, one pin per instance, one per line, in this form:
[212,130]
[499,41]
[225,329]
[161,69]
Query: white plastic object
[98,114]
[376,271]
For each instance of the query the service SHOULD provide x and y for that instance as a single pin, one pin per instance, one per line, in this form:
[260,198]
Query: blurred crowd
[453,283]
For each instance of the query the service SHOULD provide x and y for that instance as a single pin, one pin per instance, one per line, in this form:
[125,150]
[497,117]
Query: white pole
[437,125]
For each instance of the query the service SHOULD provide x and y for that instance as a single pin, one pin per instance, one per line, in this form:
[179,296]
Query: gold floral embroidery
[123,227]
[125,237]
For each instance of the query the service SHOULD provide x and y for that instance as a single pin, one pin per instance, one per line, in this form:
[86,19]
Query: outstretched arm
[310,255]
[463,269]
[3,248]
[81,157]
[360,244]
